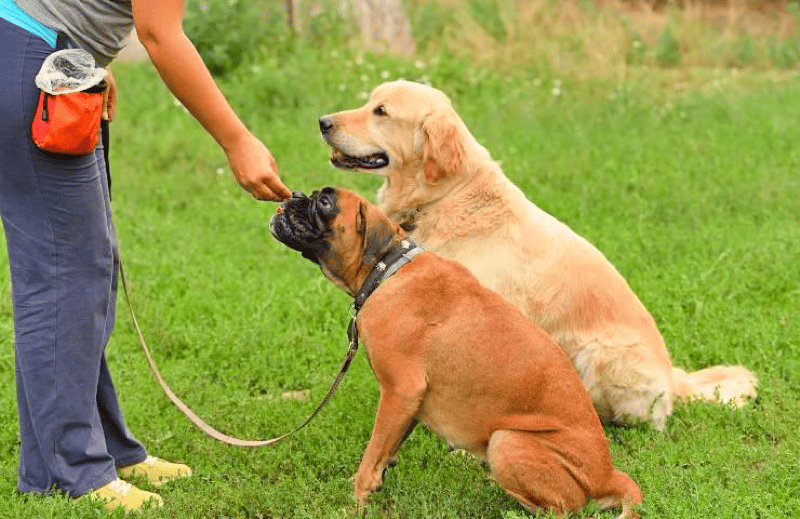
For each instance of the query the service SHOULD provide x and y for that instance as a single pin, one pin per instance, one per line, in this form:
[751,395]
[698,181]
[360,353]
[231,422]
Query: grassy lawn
[688,181]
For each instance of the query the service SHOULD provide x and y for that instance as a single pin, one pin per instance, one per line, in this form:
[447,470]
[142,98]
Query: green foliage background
[687,179]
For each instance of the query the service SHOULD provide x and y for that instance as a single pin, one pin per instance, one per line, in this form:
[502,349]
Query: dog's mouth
[344,161]
[295,226]
[300,222]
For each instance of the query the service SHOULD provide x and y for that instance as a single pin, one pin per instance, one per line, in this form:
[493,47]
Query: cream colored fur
[444,187]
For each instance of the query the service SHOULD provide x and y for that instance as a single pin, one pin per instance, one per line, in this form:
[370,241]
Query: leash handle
[352,334]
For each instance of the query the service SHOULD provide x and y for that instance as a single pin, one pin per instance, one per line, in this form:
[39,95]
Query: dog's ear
[378,231]
[444,147]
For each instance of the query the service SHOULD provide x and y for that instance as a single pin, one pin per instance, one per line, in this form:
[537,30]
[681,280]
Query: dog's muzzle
[301,222]
[341,159]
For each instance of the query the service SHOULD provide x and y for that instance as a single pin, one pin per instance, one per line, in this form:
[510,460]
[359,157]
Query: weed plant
[687,181]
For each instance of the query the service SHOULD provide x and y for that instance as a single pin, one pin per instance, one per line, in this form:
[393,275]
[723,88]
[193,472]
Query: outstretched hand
[256,171]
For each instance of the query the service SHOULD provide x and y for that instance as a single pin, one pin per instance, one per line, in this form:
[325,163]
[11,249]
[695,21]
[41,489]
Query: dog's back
[495,384]
[454,199]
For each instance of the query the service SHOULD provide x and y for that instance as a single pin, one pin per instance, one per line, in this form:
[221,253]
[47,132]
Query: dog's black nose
[325,124]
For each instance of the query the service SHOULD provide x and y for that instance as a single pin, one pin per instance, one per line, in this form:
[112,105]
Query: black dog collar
[401,253]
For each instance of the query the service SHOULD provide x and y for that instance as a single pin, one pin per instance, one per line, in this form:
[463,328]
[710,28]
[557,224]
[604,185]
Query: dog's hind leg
[621,491]
[533,473]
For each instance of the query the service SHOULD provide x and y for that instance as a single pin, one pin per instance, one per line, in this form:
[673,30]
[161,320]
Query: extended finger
[264,193]
[282,192]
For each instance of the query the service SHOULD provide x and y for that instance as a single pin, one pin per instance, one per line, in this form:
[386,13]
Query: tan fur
[444,186]
[465,362]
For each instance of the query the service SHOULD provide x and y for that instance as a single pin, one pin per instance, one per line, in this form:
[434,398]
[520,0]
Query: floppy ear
[378,231]
[444,147]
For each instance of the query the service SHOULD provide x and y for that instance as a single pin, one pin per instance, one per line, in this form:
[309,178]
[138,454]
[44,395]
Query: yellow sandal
[120,493]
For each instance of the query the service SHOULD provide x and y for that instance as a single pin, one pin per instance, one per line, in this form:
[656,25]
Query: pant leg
[123,447]
[62,254]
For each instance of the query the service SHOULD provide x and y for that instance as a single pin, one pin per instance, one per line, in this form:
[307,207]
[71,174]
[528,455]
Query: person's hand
[256,171]
[110,97]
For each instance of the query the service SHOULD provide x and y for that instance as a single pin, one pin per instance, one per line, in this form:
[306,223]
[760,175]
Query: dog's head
[407,131]
[337,229]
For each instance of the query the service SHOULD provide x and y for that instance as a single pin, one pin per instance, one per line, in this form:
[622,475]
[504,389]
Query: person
[62,244]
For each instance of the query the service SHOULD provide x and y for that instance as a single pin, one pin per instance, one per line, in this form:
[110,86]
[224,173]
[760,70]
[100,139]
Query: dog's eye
[324,202]
[379,110]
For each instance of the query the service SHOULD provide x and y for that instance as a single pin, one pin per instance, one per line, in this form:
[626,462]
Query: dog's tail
[726,384]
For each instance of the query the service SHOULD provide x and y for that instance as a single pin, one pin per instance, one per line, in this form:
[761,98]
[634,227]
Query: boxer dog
[459,358]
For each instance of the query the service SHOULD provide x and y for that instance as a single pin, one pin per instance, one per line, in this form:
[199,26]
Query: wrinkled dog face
[336,229]
[302,223]
[387,133]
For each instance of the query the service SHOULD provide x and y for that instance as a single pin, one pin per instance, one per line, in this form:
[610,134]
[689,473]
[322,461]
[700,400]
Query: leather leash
[402,253]
[352,334]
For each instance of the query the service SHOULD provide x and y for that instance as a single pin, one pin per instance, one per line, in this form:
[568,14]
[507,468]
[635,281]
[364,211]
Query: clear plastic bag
[69,70]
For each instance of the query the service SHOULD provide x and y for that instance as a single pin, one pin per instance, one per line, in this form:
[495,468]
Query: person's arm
[159,25]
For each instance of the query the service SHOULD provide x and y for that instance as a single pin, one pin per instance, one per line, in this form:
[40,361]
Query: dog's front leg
[393,456]
[395,415]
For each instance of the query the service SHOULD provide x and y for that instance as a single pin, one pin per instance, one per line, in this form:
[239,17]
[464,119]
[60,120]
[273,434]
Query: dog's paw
[363,493]
[366,483]
[361,508]
[362,498]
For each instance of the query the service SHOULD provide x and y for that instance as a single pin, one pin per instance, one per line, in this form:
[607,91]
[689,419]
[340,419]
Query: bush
[226,32]
[668,52]
[785,53]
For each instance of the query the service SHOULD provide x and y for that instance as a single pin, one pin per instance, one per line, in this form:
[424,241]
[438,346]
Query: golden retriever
[443,187]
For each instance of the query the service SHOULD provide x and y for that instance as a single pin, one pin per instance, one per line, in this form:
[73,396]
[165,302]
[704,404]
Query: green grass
[692,192]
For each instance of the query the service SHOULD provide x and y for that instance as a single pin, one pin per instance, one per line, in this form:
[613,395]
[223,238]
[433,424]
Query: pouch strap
[62,41]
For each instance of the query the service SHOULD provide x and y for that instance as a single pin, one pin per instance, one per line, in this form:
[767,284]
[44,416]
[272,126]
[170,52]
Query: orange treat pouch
[69,123]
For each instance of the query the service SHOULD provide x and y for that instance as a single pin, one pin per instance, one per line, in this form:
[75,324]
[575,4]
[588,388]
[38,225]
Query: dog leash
[352,335]
[400,254]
